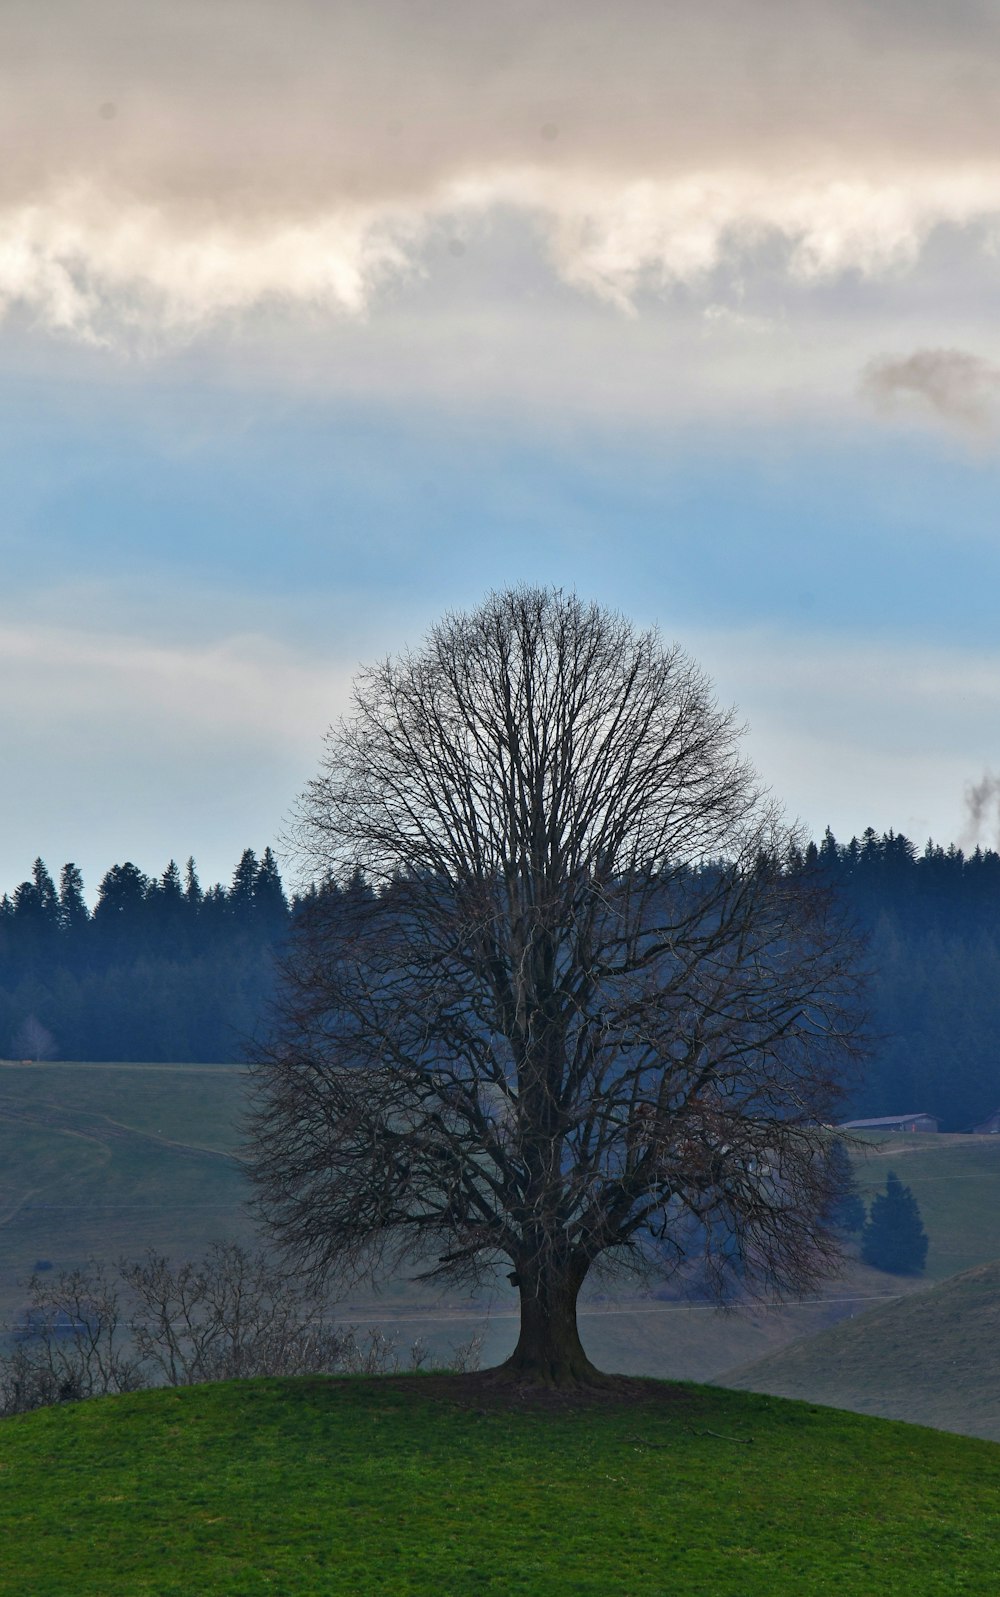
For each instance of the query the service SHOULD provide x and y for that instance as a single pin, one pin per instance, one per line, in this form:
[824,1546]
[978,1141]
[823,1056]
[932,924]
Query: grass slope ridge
[932,1357]
[345,1486]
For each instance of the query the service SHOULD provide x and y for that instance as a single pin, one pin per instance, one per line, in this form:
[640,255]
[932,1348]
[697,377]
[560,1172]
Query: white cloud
[102,266]
[85,263]
[173,166]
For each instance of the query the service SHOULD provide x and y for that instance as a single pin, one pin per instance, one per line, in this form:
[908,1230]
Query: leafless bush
[232,1314]
[71,1343]
[87,1333]
[465,1356]
[419,1353]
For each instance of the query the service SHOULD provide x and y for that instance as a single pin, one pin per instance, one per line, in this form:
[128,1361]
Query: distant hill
[932,1357]
[107,1159]
[111,1159]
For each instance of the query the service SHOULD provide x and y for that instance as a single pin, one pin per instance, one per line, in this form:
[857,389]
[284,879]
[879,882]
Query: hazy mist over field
[319,319]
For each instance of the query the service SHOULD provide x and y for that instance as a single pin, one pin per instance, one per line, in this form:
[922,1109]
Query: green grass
[933,1357]
[317,1486]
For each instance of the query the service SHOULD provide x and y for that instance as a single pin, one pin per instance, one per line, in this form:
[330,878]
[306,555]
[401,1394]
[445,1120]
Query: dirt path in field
[65,1120]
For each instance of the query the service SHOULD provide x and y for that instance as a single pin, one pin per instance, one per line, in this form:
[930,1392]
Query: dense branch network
[586,1011]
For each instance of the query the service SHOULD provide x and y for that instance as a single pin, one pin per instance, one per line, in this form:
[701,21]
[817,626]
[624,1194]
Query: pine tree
[73,911]
[36,903]
[847,1212]
[894,1238]
[240,897]
[270,904]
[192,886]
[170,885]
[48,898]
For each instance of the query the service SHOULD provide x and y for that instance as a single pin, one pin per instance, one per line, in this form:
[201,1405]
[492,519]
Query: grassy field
[933,1357]
[323,1486]
[106,1160]
[956,1181]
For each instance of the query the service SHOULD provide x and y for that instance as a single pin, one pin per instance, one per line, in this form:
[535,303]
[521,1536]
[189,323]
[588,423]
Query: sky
[319,320]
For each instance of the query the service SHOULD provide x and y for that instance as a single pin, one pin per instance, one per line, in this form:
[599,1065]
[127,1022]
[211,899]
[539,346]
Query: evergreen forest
[159,970]
[162,969]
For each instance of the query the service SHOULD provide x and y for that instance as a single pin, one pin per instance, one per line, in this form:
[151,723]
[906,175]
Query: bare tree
[589,1012]
[33,1041]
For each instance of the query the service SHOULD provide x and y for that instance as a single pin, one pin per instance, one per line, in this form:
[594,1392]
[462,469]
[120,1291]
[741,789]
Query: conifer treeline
[933,920]
[164,970]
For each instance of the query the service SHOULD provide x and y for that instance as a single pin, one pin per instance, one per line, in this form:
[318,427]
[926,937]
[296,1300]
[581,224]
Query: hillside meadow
[108,1159]
[323,1486]
[933,1357]
[956,1181]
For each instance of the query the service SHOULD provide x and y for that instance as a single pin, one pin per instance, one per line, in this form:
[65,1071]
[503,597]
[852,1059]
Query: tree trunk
[549,1351]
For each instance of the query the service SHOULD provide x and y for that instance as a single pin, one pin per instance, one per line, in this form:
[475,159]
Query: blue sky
[279,383]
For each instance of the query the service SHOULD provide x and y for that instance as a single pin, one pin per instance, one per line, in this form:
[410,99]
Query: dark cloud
[982,804]
[961,387]
[274,103]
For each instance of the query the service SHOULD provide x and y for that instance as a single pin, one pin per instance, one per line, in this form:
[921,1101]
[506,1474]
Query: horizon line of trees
[869,867]
[932,920]
[164,969]
[130,904]
[161,969]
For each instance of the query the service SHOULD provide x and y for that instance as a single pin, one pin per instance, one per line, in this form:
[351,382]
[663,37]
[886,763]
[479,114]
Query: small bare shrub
[235,1313]
[465,1356]
[71,1343]
[419,1353]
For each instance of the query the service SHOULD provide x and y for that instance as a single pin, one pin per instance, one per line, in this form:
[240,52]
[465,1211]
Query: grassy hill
[317,1487]
[956,1181]
[933,1357]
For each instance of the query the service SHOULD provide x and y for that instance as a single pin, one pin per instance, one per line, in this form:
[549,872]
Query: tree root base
[502,1387]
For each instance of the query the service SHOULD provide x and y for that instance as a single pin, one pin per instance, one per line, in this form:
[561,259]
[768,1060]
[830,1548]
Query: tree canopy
[591,1011]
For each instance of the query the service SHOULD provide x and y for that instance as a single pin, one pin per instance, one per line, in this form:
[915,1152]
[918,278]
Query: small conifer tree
[847,1210]
[894,1238]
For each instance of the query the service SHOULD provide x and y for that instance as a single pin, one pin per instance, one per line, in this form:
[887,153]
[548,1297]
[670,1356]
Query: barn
[913,1122]
[989,1126]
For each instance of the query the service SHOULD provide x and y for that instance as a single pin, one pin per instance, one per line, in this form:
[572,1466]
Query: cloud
[982,802]
[166,168]
[958,386]
[89,264]
[256,689]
